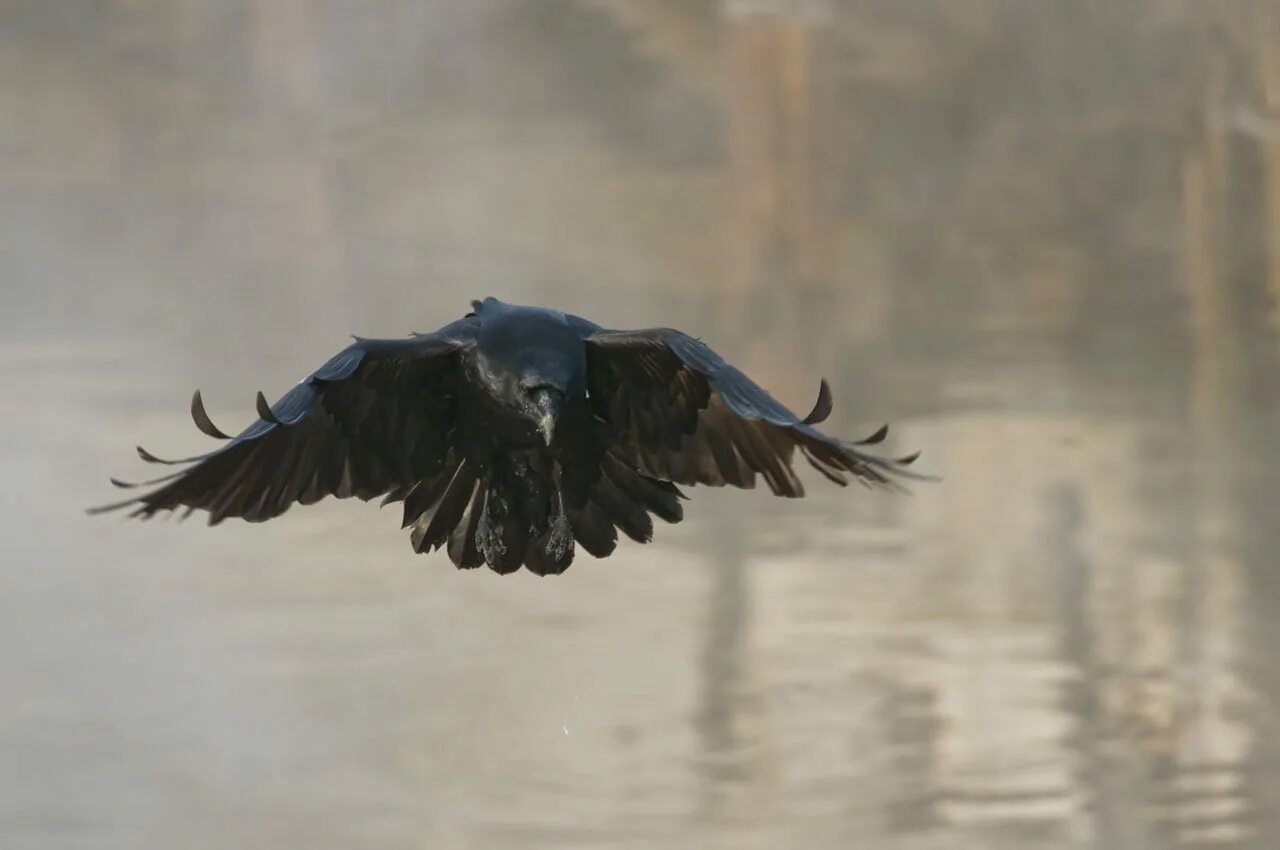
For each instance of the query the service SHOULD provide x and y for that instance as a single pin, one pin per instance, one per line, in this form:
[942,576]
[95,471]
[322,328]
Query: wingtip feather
[264,409]
[875,439]
[95,510]
[202,420]
[822,407]
[151,458]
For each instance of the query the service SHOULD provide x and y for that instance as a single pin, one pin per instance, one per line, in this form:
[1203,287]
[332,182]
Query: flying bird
[511,434]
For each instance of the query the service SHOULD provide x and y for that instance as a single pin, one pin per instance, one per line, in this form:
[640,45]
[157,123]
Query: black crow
[511,433]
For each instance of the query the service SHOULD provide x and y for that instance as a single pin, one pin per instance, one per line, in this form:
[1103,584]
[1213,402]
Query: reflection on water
[1022,234]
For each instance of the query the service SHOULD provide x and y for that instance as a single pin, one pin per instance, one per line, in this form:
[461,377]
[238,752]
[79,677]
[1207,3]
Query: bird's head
[531,362]
[542,399]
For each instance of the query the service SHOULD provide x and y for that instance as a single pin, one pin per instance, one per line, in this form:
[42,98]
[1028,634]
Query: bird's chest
[484,419]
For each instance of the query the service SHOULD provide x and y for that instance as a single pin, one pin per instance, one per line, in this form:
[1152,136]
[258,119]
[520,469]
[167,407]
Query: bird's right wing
[374,420]
[675,410]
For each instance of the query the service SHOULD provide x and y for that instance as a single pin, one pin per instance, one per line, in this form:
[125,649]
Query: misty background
[1041,239]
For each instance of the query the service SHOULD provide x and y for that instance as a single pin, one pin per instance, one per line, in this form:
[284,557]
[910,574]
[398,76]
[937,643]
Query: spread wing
[374,420]
[675,410]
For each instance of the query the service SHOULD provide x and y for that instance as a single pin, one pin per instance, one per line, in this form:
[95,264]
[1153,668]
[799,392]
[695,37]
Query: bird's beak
[547,403]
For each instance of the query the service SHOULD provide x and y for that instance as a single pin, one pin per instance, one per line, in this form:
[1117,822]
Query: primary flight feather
[510,435]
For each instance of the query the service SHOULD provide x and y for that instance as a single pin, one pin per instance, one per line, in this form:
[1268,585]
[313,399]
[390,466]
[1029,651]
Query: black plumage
[510,435]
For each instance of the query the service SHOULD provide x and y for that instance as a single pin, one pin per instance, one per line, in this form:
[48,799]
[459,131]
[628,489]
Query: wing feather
[675,410]
[375,418]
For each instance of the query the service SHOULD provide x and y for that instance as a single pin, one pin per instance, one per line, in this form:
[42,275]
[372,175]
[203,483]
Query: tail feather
[538,562]
[463,550]
[432,532]
[504,535]
[622,511]
[519,529]
[661,498]
[592,529]
[425,495]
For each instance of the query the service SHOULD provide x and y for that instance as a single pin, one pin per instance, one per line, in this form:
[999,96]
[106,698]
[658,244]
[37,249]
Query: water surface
[1069,643]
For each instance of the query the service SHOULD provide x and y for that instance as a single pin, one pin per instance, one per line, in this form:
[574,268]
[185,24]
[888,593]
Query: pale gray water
[988,227]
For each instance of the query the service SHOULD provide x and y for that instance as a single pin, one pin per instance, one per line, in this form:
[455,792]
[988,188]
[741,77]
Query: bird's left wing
[675,410]
[374,420]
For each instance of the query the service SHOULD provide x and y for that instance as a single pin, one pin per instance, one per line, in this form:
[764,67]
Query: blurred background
[1043,239]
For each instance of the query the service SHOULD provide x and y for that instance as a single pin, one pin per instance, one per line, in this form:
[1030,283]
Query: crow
[509,435]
